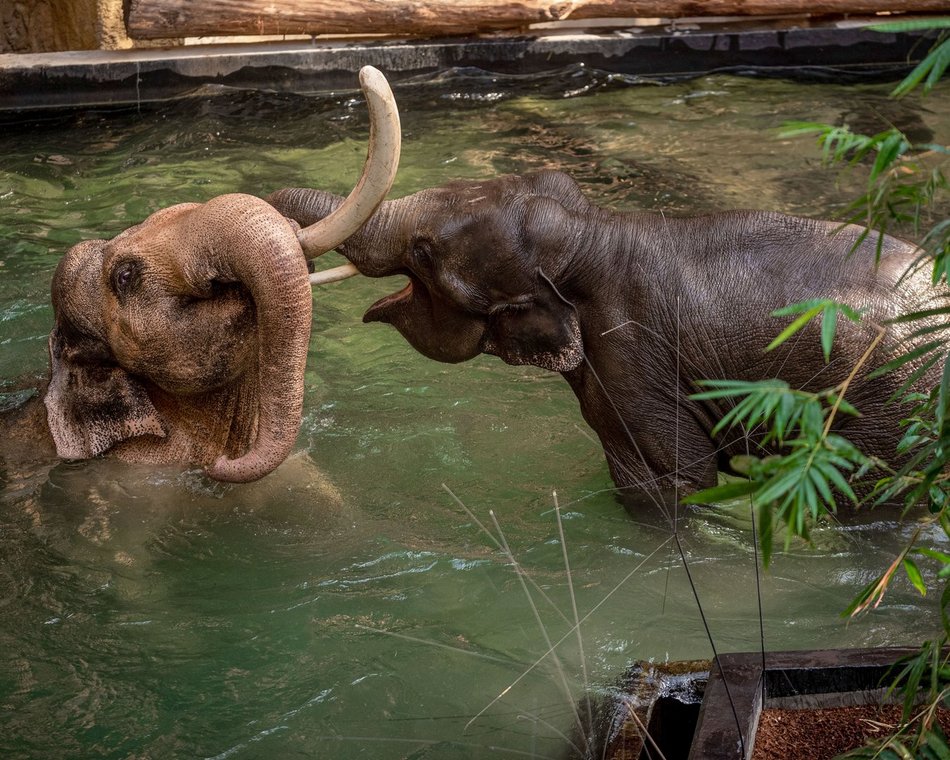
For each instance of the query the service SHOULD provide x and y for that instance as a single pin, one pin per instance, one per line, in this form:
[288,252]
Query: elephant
[184,339]
[634,309]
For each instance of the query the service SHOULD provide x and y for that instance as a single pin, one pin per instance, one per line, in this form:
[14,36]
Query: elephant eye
[422,254]
[519,303]
[124,277]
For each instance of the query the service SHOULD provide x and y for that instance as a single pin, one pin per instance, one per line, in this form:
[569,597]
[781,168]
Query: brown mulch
[824,733]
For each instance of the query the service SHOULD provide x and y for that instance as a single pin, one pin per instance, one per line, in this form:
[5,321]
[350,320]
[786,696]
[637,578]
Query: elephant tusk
[335,274]
[379,170]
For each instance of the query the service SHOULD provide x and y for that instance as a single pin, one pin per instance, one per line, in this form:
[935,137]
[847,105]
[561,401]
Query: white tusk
[379,171]
[335,274]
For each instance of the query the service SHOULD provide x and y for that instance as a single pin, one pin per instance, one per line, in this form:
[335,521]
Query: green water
[346,606]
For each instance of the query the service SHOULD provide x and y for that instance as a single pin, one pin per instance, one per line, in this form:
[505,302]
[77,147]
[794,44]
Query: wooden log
[40,26]
[150,19]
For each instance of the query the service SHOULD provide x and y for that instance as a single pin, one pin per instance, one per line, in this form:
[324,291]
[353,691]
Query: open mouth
[378,311]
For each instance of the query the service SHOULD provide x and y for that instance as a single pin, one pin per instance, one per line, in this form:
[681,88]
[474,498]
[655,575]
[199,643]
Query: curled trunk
[262,253]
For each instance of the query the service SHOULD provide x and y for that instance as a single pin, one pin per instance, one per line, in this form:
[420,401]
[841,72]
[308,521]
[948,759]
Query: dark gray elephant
[632,308]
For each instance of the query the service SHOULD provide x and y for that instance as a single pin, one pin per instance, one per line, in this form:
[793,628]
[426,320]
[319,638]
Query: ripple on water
[147,612]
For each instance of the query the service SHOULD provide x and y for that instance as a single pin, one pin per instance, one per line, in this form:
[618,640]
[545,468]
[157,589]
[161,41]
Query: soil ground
[827,732]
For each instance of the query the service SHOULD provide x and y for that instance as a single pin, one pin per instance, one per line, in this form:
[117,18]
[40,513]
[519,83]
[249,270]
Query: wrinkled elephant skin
[634,308]
[184,339]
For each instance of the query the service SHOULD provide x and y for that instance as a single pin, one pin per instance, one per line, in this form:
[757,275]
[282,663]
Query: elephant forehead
[485,244]
[479,216]
[75,283]
[463,196]
[166,251]
[153,255]
[160,220]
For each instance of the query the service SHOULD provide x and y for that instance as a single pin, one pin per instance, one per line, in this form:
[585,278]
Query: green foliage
[924,679]
[900,185]
[911,25]
[928,71]
[800,486]
[840,145]
[931,746]
[926,441]
[937,241]
[807,311]
[816,468]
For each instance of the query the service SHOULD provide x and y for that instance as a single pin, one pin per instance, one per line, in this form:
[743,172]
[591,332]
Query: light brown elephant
[184,339]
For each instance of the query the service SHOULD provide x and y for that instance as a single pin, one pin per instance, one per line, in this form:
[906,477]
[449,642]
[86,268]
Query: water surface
[347,606]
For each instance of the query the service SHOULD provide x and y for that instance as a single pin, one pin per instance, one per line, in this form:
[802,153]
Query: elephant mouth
[383,308]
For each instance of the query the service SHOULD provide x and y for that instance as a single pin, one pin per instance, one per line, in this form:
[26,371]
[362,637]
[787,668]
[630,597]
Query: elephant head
[184,338]
[481,258]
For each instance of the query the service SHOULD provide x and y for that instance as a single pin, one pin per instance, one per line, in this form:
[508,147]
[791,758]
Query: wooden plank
[151,19]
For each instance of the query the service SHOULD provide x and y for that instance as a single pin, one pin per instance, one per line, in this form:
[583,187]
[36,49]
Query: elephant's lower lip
[377,312]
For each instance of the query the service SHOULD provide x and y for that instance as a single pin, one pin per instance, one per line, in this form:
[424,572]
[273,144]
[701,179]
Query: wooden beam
[151,19]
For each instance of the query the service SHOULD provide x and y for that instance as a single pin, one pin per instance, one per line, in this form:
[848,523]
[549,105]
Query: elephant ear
[91,403]
[559,187]
[542,331]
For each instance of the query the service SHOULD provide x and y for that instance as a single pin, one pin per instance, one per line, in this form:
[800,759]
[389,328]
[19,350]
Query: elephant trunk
[284,301]
[303,205]
[366,249]
[264,255]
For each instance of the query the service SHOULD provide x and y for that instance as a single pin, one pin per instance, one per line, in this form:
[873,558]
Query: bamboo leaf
[808,494]
[933,554]
[922,332]
[914,575]
[794,327]
[801,307]
[936,60]
[914,377]
[837,479]
[888,151]
[828,324]
[913,25]
[908,357]
[800,128]
[844,405]
[863,596]
[913,316]
[723,492]
[937,743]
[943,400]
[779,485]
[822,485]
[855,315]
[730,388]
